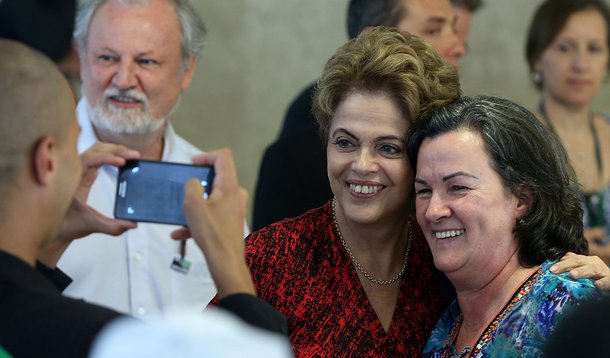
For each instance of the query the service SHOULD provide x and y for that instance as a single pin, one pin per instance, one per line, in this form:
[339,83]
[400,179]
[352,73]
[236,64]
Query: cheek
[551,69]
[602,69]
[420,212]
[402,174]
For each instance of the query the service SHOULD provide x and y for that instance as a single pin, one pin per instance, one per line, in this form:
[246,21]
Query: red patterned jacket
[300,266]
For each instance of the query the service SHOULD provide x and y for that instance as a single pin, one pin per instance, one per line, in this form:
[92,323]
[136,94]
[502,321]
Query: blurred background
[261,53]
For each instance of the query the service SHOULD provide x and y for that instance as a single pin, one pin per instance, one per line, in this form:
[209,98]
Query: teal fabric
[528,321]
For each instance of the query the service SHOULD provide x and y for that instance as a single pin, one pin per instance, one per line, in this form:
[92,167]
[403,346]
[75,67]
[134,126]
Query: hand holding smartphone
[152,191]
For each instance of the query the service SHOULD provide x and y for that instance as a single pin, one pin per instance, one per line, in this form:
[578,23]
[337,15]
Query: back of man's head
[34,103]
[368,13]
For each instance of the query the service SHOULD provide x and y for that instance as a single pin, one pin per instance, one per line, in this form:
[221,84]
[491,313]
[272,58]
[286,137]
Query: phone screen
[152,191]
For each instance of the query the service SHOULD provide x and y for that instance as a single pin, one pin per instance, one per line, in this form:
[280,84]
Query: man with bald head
[137,58]
[44,186]
[40,171]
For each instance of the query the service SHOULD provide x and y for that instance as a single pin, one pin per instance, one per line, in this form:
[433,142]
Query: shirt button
[138,256]
[141,311]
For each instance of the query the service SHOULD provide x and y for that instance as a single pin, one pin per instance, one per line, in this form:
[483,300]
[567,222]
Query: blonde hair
[385,59]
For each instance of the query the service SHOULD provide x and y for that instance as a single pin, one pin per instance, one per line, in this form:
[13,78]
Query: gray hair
[192,29]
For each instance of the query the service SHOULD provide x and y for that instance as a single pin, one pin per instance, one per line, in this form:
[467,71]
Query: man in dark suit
[44,185]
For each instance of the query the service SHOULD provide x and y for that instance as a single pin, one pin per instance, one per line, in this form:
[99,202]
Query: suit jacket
[36,320]
[299,115]
[293,176]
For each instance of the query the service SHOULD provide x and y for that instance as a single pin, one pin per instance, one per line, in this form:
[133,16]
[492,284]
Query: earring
[536,77]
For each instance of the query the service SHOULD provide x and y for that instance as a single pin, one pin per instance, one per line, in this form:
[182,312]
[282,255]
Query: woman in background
[567,51]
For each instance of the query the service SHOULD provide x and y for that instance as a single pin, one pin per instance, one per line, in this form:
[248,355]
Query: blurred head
[137,56]
[368,95]
[432,20]
[551,223]
[37,109]
[567,48]
[463,11]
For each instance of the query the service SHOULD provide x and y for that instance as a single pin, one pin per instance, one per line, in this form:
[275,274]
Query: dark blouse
[301,268]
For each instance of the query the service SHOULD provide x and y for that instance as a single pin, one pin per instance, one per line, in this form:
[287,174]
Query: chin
[445,263]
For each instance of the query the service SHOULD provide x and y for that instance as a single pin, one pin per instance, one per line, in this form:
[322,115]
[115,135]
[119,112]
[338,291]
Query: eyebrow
[385,137]
[447,177]
[113,51]
[437,20]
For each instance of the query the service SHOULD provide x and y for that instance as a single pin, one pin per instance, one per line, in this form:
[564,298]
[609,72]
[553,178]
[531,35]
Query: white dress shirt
[131,273]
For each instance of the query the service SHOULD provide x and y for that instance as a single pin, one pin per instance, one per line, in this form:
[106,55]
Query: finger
[244,197]
[224,166]
[181,234]
[107,154]
[193,198]
[603,284]
[588,271]
[116,158]
[113,227]
[568,262]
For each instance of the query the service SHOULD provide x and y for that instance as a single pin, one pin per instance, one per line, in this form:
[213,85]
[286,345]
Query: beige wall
[261,53]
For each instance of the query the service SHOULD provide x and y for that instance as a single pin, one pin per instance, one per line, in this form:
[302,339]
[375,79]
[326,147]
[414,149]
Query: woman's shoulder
[293,233]
[558,293]
[562,284]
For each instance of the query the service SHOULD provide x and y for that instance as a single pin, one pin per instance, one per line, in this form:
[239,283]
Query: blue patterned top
[522,327]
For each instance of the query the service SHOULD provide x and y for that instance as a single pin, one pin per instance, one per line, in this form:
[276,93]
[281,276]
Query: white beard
[136,121]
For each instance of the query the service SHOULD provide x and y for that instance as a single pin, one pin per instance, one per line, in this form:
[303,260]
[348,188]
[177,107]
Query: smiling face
[575,64]
[466,213]
[131,69]
[434,21]
[367,165]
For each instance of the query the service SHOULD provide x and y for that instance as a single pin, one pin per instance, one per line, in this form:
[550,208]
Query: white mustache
[130,93]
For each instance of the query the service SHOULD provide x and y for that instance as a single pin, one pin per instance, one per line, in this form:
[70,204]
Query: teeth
[450,233]
[125,99]
[365,189]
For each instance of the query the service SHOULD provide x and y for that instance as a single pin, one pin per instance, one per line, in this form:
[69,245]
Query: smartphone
[151,191]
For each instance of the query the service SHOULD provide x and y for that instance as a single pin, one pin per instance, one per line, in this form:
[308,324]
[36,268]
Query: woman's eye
[458,188]
[595,48]
[422,191]
[563,47]
[343,143]
[390,149]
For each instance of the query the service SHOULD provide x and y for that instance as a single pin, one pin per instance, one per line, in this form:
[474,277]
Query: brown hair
[551,17]
[384,59]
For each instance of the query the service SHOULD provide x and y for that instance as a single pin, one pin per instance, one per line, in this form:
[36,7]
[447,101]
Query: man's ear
[188,74]
[44,165]
[525,200]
